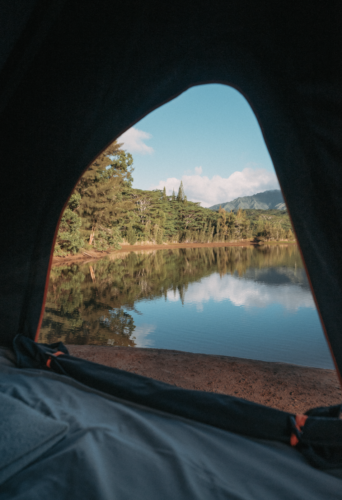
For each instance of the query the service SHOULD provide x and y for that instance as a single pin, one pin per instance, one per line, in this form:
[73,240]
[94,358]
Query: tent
[74,76]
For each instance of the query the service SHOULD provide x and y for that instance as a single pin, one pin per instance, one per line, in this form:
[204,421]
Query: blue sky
[209,138]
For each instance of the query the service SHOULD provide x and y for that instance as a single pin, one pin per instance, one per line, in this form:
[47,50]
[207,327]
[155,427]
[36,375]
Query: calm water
[246,302]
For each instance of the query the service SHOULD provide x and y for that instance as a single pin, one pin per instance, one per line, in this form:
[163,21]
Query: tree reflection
[90,303]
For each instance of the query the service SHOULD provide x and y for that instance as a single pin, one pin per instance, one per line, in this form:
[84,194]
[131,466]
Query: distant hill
[267,200]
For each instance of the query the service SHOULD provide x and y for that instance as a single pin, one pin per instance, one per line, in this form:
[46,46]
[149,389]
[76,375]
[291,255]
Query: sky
[209,138]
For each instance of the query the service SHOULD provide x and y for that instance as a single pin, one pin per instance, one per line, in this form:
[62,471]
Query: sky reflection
[246,293]
[236,301]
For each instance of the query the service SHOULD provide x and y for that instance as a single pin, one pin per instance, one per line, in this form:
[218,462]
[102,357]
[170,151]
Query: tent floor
[284,386]
[71,441]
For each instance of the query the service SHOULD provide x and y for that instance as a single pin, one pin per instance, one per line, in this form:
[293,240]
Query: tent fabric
[25,435]
[319,440]
[77,75]
[118,449]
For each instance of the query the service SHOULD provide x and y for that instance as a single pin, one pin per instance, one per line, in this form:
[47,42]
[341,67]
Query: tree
[101,190]
[131,236]
[69,238]
[181,194]
[242,224]
[260,227]
[105,208]
[268,230]
[290,235]
[222,228]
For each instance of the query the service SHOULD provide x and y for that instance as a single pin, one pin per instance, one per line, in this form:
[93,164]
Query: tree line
[105,210]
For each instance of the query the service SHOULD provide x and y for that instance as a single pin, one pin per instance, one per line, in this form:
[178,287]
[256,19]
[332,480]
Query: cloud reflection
[140,334]
[245,293]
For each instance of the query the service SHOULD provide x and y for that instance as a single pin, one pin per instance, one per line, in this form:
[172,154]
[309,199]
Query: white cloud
[140,335]
[133,140]
[198,170]
[219,189]
[245,293]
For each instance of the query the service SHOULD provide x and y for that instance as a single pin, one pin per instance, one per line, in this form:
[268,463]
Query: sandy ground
[284,386]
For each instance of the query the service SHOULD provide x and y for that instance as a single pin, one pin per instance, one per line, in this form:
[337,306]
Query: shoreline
[284,386]
[87,256]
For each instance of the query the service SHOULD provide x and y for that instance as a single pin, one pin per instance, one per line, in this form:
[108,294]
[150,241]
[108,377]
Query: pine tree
[181,194]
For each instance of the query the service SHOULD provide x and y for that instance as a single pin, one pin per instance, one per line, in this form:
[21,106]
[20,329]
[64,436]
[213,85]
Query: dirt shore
[125,249]
[279,385]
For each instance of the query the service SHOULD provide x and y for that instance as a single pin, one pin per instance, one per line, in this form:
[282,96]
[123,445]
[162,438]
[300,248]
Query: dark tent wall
[75,75]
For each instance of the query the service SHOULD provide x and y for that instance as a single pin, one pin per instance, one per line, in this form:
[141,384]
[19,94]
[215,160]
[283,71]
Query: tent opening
[177,242]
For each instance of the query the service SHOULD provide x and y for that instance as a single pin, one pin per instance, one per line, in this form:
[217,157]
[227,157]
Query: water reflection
[246,302]
[249,292]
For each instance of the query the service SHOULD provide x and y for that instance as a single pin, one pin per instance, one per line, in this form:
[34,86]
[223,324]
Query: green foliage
[105,238]
[160,218]
[105,208]
[289,235]
[69,238]
[131,236]
[270,224]
[101,189]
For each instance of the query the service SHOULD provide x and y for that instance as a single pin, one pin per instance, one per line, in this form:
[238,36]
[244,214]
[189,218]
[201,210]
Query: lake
[248,302]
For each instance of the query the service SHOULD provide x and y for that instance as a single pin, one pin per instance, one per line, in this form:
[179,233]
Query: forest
[105,210]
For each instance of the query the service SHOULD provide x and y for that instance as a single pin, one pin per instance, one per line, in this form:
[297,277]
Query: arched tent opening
[66,178]
[63,91]
[212,126]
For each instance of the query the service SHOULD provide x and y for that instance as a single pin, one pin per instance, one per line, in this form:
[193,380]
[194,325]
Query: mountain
[263,201]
